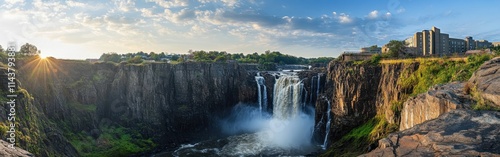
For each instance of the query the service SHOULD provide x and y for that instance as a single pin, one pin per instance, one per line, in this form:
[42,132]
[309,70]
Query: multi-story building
[433,42]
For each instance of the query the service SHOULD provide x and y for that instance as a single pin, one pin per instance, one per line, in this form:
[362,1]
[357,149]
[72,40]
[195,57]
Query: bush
[135,60]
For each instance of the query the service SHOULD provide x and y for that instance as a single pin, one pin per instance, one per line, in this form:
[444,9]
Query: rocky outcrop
[438,100]
[6,151]
[458,132]
[486,80]
[358,92]
[350,90]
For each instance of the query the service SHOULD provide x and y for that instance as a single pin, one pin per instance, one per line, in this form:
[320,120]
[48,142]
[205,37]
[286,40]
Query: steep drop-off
[154,104]
[369,101]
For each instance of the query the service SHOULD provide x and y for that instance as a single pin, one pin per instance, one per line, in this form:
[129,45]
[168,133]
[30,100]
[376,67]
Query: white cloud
[344,18]
[170,3]
[74,4]
[373,14]
[125,5]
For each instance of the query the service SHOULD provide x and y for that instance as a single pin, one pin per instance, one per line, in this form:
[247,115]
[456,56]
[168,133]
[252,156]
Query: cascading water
[327,130]
[287,132]
[317,87]
[286,102]
[262,92]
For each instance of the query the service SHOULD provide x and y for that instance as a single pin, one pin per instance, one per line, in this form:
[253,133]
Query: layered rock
[6,151]
[486,80]
[438,100]
[458,132]
[358,92]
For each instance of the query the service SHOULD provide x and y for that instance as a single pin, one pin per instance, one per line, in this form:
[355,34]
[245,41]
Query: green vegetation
[395,48]
[83,107]
[135,60]
[355,142]
[267,60]
[481,103]
[433,72]
[113,141]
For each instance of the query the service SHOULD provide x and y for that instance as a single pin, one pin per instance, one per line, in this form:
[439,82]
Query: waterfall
[317,87]
[287,100]
[312,85]
[327,130]
[262,92]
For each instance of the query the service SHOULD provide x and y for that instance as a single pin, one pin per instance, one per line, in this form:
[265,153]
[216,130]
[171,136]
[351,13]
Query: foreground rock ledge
[5,151]
[459,132]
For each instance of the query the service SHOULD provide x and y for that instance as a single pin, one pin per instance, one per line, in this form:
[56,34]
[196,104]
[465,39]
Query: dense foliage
[267,60]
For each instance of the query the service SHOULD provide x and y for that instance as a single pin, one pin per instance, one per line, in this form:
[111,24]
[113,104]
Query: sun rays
[42,69]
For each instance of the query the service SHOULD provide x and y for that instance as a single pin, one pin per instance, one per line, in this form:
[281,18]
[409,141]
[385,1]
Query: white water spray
[327,130]
[262,92]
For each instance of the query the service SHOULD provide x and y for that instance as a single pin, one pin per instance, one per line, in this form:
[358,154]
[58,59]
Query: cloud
[373,14]
[170,3]
[75,4]
[125,5]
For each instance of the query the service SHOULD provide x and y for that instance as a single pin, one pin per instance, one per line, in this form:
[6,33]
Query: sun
[42,56]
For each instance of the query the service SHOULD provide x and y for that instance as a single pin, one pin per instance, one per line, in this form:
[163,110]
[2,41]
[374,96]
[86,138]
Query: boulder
[487,81]
[458,132]
[431,104]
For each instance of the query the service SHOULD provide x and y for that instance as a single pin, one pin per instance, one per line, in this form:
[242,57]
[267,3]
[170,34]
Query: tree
[1,49]
[28,49]
[111,56]
[135,60]
[395,48]
[175,57]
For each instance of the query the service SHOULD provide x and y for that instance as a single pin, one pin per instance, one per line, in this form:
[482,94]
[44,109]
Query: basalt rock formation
[458,132]
[437,101]
[359,92]
[486,80]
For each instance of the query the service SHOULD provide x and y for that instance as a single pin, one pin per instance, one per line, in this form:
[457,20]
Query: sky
[78,29]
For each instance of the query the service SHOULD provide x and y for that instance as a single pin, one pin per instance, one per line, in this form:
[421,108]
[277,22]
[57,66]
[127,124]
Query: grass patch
[432,72]
[83,107]
[113,141]
[356,142]
[481,103]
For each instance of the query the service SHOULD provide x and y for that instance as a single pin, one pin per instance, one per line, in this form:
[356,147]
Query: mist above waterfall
[253,131]
[289,128]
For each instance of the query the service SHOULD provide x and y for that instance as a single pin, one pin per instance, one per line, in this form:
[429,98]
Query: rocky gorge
[67,104]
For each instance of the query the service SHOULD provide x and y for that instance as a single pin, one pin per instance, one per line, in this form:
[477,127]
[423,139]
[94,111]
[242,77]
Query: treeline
[266,58]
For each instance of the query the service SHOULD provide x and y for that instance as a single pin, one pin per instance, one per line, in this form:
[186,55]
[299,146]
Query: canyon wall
[170,104]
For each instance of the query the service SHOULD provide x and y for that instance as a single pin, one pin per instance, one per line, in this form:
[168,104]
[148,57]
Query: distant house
[352,56]
[371,49]
[93,60]
[149,61]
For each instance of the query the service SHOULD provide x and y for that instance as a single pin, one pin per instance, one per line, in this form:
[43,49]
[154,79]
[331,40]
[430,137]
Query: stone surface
[456,133]
[438,100]
[6,151]
[487,81]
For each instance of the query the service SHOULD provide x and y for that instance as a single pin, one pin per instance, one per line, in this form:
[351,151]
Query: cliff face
[360,92]
[168,103]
